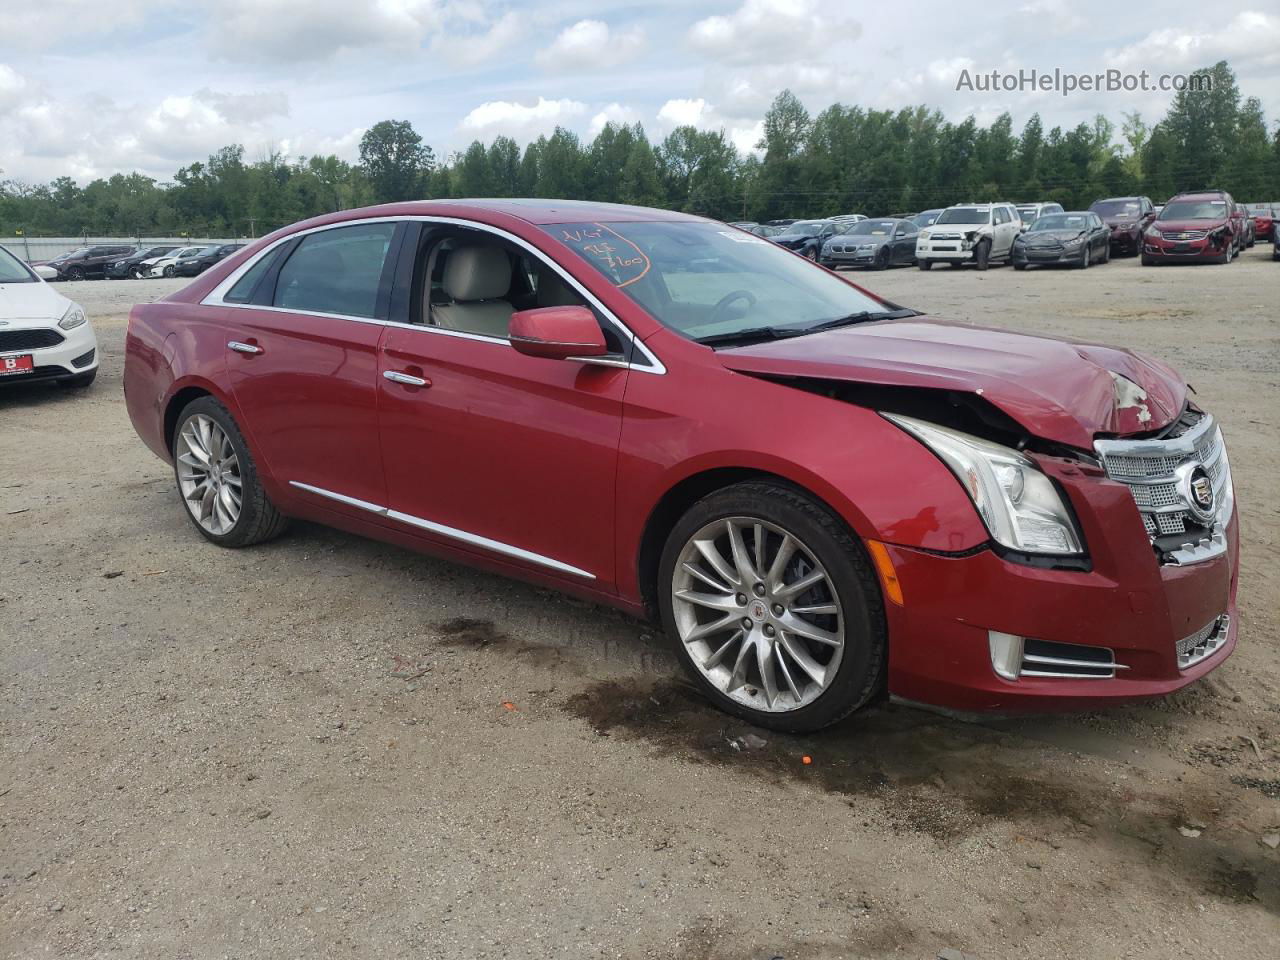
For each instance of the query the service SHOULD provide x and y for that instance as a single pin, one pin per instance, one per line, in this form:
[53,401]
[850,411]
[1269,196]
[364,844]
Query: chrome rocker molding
[472,539]
[649,364]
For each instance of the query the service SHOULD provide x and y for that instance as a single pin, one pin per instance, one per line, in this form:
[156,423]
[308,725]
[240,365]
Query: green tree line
[845,159]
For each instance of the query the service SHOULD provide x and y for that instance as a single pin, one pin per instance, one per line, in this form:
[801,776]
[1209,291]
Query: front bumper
[1125,241]
[1048,256]
[1204,248]
[940,650]
[960,250]
[77,354]
[847,258]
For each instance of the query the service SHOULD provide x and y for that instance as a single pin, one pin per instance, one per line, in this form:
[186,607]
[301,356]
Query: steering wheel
[732,296]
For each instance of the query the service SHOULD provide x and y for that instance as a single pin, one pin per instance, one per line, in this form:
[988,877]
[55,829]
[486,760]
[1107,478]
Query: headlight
[1018,503]
[1073,242]
[73,318]
[1153,233]
[924,234]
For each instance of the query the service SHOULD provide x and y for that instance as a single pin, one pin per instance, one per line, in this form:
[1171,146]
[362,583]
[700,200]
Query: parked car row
[119,261]
[1208,225]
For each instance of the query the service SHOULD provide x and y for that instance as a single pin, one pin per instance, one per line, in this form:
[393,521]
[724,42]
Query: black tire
[135,273]
[1019,266]
[882,260]
[811,253]
[169,272]
[79,382]
[1086,257]
[75,273]
[860,675]
[259,520]
[924,264]
[982,254]
[1148,261]
[1106,253]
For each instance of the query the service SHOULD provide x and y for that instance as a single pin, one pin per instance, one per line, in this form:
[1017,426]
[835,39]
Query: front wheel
[169,272]
[75,273]
[924,264]
[982,255]
[773,607]
[217,478]
[1085,259]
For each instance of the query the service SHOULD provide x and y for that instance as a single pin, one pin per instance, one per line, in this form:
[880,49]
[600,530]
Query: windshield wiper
[863,316]
[750,335]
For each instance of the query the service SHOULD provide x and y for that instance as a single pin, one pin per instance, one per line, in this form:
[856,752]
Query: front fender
[885,484]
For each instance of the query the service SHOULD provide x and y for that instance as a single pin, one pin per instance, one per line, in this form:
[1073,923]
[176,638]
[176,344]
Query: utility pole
[253,231]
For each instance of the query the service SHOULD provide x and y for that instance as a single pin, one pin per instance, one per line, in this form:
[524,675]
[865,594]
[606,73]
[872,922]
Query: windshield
[926,219]
[1119,209]
[1027,214]
[1263,208]
[964,215]
[806,226]
[1060,221]
[872,228]
[1195,210]
[13,270]
[703,280]
[156,252]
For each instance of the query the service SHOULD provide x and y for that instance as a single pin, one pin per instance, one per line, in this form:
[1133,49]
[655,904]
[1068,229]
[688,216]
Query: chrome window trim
[215,297]
[453,533]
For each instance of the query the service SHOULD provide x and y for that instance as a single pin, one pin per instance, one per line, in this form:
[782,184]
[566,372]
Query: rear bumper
[940,651]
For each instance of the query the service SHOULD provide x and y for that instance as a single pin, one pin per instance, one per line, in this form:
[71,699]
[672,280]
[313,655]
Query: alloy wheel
[758,614]
[209,474]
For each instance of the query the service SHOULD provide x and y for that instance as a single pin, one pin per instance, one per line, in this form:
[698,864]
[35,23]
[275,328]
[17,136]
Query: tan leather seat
[475,279]
[553,291]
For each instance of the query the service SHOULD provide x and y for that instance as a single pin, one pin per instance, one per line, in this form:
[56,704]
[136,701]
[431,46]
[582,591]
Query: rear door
[302,358]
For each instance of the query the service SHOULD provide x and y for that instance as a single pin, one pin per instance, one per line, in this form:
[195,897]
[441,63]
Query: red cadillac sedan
[821,495]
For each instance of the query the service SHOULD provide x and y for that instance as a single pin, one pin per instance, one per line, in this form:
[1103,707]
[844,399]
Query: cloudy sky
[91,87]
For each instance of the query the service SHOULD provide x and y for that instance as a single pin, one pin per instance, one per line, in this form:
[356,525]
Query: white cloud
[301,30]
[683,113]
[480,47]
[614,113]
[34,25]
[589,45]
[1250,40]
[520,121]
[12,85]
[769,31]
[1062,16]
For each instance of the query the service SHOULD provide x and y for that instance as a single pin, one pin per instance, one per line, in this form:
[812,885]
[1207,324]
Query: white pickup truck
[974,233]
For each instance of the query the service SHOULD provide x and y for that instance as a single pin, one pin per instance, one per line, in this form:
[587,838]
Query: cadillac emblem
[1196,487]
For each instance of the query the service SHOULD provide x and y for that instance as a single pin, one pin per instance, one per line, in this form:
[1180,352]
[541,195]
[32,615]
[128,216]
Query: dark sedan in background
[1127,217]
[1075,239]
[87,263]
[131,266]
[806,237]
[872,243]
[194,266]
[927,218]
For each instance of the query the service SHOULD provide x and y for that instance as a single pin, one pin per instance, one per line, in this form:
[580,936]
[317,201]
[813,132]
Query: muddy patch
[470,632]
[945,779]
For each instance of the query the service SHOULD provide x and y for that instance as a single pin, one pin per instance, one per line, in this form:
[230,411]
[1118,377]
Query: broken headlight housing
[1018,503]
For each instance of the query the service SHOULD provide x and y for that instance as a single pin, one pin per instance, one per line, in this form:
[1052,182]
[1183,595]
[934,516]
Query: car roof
[1200,195]
[536,211]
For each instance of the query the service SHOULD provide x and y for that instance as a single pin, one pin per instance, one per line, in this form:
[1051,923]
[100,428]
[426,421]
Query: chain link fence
[33,249]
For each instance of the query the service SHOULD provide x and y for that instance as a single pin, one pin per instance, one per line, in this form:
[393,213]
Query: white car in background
[44,271]
[163,266]
[43,335]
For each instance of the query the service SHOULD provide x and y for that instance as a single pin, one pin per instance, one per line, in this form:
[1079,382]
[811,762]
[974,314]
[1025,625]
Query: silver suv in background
[974,233]
[1029,213]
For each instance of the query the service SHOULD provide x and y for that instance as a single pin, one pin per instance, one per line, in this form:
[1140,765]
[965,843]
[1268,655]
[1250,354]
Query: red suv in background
[820,495]
[1263,219]
[1194,227]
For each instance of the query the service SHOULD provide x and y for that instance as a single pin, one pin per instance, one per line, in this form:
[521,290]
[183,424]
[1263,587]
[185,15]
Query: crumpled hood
[31,301]
[1050,238]
[1057,390]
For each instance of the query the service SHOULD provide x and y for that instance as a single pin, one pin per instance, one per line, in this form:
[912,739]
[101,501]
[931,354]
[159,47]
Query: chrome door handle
[239,347]
[408,379]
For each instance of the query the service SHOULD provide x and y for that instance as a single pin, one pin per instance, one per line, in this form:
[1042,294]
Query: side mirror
[557,333]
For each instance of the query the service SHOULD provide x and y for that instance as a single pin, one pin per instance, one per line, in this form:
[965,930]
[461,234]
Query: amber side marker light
[884,567]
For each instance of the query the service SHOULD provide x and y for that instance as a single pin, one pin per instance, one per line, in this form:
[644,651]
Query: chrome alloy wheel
[209,474]
[758,614]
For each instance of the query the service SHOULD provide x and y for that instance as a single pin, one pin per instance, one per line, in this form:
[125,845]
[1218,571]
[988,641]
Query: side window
[242,290]
[336,271]
[1001,216]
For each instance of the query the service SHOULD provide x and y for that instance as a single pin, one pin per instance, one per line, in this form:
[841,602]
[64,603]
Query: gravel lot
[330,747]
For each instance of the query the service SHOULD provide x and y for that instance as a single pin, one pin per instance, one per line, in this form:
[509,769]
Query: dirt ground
[331,747]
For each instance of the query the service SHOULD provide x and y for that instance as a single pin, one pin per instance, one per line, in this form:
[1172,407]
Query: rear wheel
[75,273]
[772,607]
[218,480]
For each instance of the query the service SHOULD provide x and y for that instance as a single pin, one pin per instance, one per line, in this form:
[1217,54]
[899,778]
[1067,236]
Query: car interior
[478,281]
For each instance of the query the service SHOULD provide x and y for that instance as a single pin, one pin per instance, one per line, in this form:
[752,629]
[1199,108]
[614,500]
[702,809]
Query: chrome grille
[1155,472]
[1203,643]
[1185,234]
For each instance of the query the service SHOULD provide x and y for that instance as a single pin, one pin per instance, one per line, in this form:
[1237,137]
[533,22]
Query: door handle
[408,379]
[249,348]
